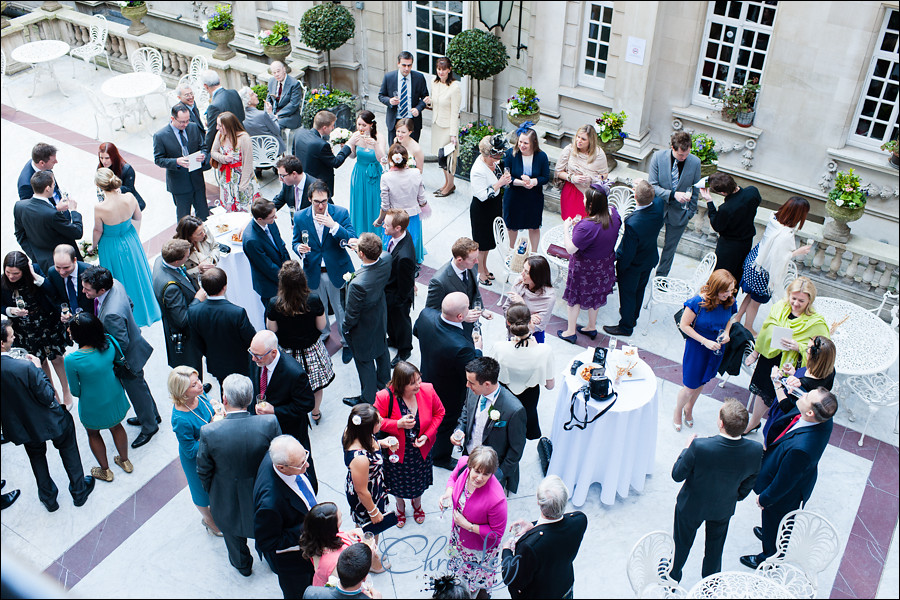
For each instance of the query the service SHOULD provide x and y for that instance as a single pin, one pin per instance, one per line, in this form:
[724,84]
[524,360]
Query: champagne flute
[64,311]
[304,237]
[393,445]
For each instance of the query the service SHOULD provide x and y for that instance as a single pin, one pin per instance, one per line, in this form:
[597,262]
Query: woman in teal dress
[101,398]
[117,221]
[367,146]
[191,410]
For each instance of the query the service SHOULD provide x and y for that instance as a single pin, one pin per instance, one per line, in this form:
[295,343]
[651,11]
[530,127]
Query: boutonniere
[349,275]
[493,413]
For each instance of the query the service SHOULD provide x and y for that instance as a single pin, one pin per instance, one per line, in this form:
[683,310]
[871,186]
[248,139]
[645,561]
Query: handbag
[545,451]
[120,366]
[517,259]
[389,520]
[558,252]
[678,316]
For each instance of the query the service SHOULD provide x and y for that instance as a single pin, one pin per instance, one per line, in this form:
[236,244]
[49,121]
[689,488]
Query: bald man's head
[455,306]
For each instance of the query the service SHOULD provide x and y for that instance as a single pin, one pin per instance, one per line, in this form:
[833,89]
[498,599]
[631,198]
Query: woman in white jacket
[444,102]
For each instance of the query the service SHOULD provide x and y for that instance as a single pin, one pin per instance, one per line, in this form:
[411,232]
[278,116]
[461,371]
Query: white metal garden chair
[265,151]
[670,290]
[649,565]
[95,47]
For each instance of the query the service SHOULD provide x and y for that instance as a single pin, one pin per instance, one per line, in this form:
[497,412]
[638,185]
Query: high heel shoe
[676,426]
[689,422]
[752,430]
[569,338]
[587,332]
[210,530]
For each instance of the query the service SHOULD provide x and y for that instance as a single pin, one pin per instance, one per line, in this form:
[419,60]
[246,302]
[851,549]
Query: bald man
[280,380]
[444,357]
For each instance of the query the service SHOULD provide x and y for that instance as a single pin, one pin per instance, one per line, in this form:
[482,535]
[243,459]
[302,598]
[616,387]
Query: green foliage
[524,102]
[610,124]
[132,4]
[221,19]
[704,148]
[890,146]
[322,98]
[477,53]
[261,91]
[469,136]
[847,191]
[326,26]
[742,99]
[276,36]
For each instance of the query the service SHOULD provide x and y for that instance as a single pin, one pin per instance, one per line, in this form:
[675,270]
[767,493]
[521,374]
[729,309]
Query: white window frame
[593,81]
[741,24]
[411,30]
[865,141]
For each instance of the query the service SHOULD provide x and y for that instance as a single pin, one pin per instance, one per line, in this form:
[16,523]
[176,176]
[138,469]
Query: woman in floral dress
[232,152]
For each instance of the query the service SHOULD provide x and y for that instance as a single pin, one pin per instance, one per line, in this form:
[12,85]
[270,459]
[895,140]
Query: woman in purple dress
[592,268]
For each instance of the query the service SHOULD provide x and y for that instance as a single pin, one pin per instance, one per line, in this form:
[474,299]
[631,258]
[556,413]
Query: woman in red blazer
[412,412]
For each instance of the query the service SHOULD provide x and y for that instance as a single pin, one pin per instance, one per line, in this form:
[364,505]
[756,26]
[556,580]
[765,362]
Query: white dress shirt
[481,418]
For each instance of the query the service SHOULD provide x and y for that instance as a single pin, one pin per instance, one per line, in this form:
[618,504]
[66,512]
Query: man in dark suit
[794,445]
[717,472]
[673,173]
[43,158]
[31,415]
[492,416]
[264,249]
[283,383]
[40,226]
[295,185]
[537,563]
[311,146]
[221,330]
[285,96]
[282,496]
[325,259]
[176,291]
[220,100]
[403,92]
[228,459]
[65,277]
[113,307]
[365,319]
[446,350]
[171,146]
[458,275]
[185,94]
[636,256]
[399,292]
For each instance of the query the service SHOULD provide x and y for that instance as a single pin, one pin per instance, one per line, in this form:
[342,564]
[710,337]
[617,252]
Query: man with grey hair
[537,559]
[231,450]
[220,100]
[284,97]
[185,94]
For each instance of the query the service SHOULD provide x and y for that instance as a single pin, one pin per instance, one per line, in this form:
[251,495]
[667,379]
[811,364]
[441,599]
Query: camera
[575,366]
[600,356]
[598,385]
[178,340]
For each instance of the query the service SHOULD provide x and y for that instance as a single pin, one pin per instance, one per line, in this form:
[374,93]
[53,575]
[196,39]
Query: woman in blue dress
[367,146]
[706,322]
[117,221]
[191,410]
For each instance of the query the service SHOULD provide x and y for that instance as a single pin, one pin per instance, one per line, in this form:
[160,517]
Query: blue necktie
[674,173]
[271,239]
[184,142]
[304,489]
[404,98]
[70,292]
[483,403]
[184,272]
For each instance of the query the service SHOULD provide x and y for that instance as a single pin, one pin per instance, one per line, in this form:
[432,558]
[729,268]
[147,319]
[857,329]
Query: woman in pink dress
[322,540]
[581,163]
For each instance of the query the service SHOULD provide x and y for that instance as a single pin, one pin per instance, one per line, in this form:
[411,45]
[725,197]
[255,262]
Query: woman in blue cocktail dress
[367,146]
[116,223]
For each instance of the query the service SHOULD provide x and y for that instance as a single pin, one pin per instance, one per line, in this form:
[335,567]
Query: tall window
[595,44]
[435,25]
[735,44]
[875,121]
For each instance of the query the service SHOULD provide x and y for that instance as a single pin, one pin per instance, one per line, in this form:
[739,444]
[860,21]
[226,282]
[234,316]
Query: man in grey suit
[227,462]
[365,319]
[176,291]
[673,173]
[285,96]
[220,100]
[40,225]
[458,275]
[493,417]
[171,146]
[113,307]
[185,94]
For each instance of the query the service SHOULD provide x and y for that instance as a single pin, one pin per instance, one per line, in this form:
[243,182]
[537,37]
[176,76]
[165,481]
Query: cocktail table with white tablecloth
[133,86]
[237,267]
[40,52]
[618,449]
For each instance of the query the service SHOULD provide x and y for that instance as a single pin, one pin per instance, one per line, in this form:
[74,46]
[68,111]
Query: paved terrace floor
[140,536]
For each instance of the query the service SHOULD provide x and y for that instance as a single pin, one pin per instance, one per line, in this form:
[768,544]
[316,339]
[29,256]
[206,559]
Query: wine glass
[64,311]
[304,237]
[393,445]
[720,337]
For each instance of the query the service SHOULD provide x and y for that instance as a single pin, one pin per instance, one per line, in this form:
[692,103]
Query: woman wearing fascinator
[523,205]
[487,180]
[402,187]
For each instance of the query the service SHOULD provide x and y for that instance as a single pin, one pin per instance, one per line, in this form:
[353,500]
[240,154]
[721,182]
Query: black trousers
[529,399]
[685,531]
[295,573]
[67,446]
[399,328]
[238,552]
[142,400]
[631,296]
[195,198]
[443,449]
[374,374]
[771,519]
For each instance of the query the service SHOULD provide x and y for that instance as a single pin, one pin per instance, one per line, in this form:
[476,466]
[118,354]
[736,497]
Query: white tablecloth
[237,267]
[617,450]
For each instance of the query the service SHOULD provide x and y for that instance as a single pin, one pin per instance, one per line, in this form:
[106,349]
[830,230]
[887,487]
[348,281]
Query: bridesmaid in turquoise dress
[116,223]
[191,410]
[367,146]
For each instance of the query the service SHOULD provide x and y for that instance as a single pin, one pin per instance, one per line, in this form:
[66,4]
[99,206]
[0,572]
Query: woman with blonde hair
[402,187]
[232,155]
[523,205]
[580,164]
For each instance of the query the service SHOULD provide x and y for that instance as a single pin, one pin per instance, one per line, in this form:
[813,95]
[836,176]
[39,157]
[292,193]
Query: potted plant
[739,103]
[610,136]
[275,42]
[846,203]
[704,148]
[339,102]
[478,54]
[470,134]
[891,146]
[523,106]
[134,12]
[325,27]
[220,30]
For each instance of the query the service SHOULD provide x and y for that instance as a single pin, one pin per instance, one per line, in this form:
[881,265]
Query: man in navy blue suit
[311,146]
[636,256]
[265,250]
[65,277]
[171,146]
[794,445]
[295,185]
[403,92]
[43,158]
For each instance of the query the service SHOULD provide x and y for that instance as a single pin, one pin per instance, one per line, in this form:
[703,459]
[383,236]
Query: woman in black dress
[111,159]
[733,221]
[487,181]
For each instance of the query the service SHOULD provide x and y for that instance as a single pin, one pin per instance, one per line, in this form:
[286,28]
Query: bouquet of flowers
[411,162]
[88,251]
[339,136]
[609,125]
[523,102]
[704,148]
[276,36]
[847,191]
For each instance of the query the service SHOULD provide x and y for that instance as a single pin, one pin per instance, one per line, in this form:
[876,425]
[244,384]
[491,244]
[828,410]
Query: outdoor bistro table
[738,584]
[133,86]
[40,52]
[865,344]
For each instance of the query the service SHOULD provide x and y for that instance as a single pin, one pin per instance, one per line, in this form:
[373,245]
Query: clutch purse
[389,520]
[558,252]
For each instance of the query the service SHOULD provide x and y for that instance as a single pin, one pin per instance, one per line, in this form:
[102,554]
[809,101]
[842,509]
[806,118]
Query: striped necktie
[674,173]
[404,99]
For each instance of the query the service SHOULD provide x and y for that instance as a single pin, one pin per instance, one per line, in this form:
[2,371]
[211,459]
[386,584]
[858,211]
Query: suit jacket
[444,357]
[717,473]
[417,92]
[29,411]
[506,435]
[660,178]
[289,393]
[167,149]
[401,285]
[196,120]
[222,100]
[286,108]
[40,228]
[317,157]
[278,512]
[445,280]
[222,332]
[337,261]
[365,316]
[259,122]
[128,176]
[286,195]
[118,319]
[542,566]
[637,252]
[175,293]
[790,465]
[24,182]
[60,294]
[265,257]
[228,459]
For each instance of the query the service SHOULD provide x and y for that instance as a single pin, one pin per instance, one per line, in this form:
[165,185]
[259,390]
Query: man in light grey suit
[673,173]
[113,307]
[175,291]
[285,97]
[227,462]
[365,319]
[493,417]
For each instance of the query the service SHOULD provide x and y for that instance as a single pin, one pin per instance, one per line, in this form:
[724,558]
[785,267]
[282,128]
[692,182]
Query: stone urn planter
[135,14]
[609,148]
[221,37]
[707,169]
[517,120]
[279,52]
[837,228]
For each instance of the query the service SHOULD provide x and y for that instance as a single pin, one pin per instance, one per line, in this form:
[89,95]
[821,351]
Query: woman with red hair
[111,159]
